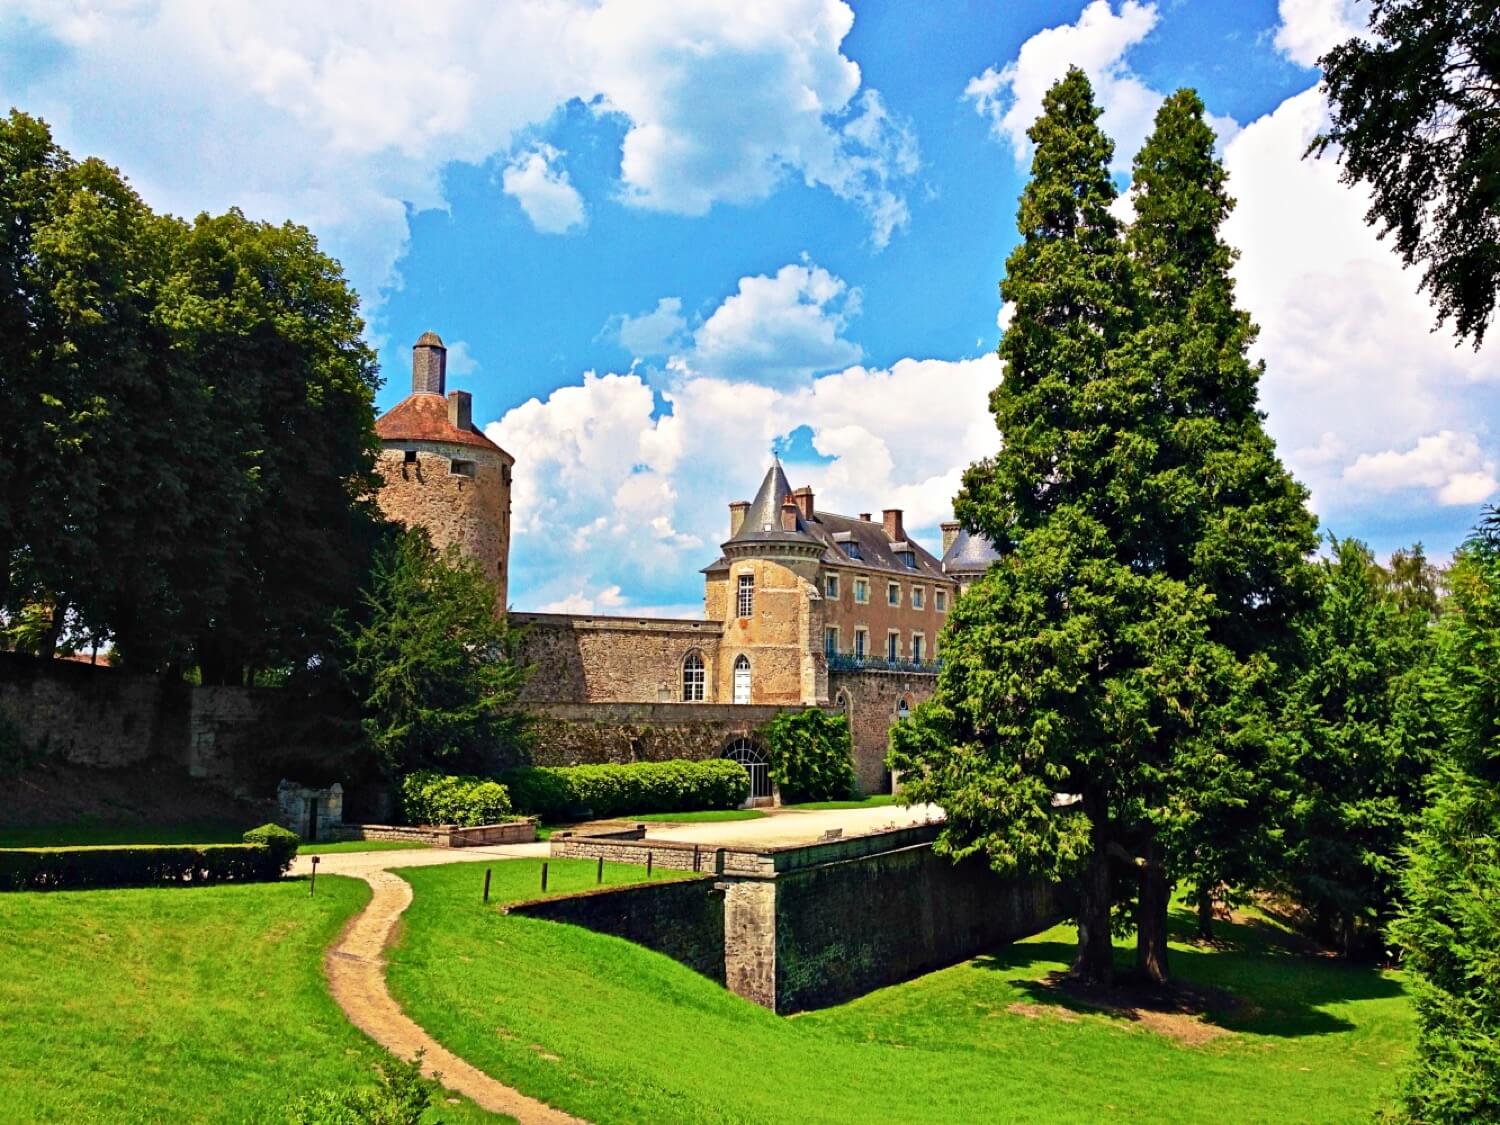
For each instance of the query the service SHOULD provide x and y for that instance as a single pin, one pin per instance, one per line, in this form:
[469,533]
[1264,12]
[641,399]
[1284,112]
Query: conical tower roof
[762,522]
[969,554]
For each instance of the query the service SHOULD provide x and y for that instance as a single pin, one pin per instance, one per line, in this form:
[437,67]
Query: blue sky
[661,237]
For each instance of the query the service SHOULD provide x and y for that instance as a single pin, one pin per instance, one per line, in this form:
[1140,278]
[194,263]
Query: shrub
[560,792]
[812,755]
[402,1098]
[282,841]
[59,869]
[439,798]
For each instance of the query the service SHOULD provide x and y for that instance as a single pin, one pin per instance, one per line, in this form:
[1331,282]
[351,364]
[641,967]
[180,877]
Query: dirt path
[355,967]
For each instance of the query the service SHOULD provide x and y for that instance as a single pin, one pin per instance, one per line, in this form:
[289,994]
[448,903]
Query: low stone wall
[599,659]
[810,925]
[683,918]
[441,835]
[574,734]
[872,699]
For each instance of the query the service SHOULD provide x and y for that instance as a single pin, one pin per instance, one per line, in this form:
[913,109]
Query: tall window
[742,679]
[940,600]
[893,593]
[918,597]
[861,642]
[893,646]
[831,641]
[693,678]
[831,587]
[861,590]
[916,647]
[747,595]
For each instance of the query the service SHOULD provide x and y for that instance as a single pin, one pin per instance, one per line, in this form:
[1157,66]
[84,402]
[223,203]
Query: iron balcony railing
[848,662]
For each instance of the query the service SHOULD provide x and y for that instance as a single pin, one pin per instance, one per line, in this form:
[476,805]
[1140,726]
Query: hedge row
[562,792]
[64,869]
[439,798]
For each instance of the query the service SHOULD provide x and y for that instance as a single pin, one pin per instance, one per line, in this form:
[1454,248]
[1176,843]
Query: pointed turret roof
[969,554]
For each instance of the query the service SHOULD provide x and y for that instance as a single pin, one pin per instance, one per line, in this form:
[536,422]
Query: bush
[61,869]
[402,1098]
[281,841]
[561,792]
[438,798]
[812,755]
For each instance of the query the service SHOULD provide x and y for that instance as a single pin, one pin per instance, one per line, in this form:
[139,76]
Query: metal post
[649,856]
[313,882]
[697,861]
[544,876]
[599,874]
[486,884]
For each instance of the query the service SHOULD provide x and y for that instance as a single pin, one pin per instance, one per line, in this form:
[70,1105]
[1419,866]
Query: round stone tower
[441,473]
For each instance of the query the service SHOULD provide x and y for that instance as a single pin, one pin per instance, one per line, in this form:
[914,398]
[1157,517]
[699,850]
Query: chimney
[950,533]
[893,529]
[429,365]
[803,498]
[461,410]
[737,510]
[788,515]
[865,516]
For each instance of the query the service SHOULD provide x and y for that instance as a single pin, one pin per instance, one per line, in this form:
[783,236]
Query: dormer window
[907,559]
[851,548]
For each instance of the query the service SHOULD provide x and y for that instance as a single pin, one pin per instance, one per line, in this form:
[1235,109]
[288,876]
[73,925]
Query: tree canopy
[1416,119]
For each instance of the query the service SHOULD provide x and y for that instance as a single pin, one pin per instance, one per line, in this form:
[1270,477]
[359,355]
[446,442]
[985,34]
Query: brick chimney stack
[865,516]
[461,410]
[950,533]
[789,515]
[893,529]
[803,498]
[737,510]
[429,365]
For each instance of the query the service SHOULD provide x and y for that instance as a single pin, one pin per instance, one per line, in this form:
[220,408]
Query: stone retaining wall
[574,734]
[441,835]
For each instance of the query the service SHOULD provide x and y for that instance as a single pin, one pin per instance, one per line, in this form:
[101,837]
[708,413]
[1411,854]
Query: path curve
[355,967]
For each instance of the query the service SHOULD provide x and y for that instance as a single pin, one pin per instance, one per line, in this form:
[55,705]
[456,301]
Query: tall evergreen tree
[1450,927]
[1364,743]
[1120,662]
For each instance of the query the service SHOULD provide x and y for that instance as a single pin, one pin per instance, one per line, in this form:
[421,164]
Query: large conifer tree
[1107,696]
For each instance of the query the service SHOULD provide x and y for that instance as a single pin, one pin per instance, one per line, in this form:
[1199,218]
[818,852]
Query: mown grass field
[175,1004]
[616,1033]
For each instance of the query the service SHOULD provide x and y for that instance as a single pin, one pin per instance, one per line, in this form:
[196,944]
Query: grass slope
[175,1004]
[616,1033]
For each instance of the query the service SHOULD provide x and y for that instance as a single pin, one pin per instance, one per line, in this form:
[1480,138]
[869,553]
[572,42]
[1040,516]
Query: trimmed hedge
[561,792]
[439,798]
[281,841]
[153,865]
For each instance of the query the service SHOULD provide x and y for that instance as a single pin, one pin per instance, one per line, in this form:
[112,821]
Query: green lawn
[615,1033]
[878,800]
[361,846]
[175,1004]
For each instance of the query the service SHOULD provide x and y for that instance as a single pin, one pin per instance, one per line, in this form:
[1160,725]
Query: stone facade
[589,659]
[817,924]
[441,835]
[571,734]
[314,814]
[874,699]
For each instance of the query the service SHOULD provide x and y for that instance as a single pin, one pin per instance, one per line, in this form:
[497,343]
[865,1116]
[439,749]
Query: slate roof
[424,417]
[429,340]
[834,532]
[969,554]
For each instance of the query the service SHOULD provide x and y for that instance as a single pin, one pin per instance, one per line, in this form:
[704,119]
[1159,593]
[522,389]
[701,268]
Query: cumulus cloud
[298,110]
[651,333]
[1308,28]
[541,185]
[1010,97]
[1450,466]
[461,360]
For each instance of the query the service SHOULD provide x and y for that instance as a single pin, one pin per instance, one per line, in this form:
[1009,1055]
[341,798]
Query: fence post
[486,884]
[599,874]
[313,882]
[648,864]
[544,876]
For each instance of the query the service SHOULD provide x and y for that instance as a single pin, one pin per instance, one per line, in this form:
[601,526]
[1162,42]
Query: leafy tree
[1416,118]
[1124,658]
[1358,768]
[812,755]
[430,661]
[1450,927]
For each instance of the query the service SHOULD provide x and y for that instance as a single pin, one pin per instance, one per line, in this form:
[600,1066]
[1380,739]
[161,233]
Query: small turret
[429,365]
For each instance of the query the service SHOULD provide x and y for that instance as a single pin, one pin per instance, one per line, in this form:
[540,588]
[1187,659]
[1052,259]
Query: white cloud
[542,187]
[1451,466]
[461,360]
[1309,28]
[653,333]
[339,118]
[779,329]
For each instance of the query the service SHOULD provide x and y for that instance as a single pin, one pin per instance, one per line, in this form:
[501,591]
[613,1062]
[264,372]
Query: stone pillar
[750,940]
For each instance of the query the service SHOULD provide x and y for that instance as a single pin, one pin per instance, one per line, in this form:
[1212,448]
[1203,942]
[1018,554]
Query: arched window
[841,700]
[903,707]
[693,678]
[742,678]
[756,764]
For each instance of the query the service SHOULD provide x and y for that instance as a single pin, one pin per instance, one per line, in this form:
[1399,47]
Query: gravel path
[355,968]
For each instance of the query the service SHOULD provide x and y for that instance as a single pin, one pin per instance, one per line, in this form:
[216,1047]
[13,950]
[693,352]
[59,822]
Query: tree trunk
[1151,929]
[1205,913]
[1094,963]
[47,649]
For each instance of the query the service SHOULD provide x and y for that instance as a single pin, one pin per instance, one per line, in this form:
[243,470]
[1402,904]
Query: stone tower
[441,473]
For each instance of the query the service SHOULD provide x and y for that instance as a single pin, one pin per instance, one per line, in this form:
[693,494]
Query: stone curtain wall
[683,919]
[587,659]
[104,718]
[873,698]
[574,734]
[847,928]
